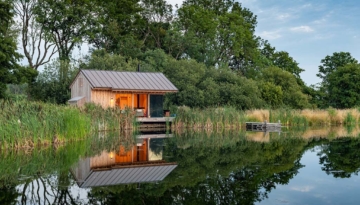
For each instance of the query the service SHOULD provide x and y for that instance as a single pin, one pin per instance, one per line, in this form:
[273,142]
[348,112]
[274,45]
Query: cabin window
[80,82]
[156,105]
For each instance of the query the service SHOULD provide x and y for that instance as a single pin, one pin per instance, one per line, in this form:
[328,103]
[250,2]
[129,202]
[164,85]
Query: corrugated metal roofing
[129,81]
[127,175]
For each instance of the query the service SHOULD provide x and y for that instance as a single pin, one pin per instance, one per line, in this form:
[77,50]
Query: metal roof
[128,175]
[76,99]
[128,81]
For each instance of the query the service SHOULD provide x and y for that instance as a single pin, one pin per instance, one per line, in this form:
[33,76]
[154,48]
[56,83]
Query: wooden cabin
[142,91]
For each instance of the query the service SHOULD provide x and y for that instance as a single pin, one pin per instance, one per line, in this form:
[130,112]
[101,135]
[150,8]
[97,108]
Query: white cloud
[303,188]
[270,35]
[303,29]
[305,6]
[284,16]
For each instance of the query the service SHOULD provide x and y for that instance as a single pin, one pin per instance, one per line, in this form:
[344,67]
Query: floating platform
[263,126]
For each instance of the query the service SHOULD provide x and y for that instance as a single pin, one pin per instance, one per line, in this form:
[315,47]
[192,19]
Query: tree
[157,15]
[220,32]
[272,94]
[331,63]
[37,45]
[8,54]
[118,30]
[292,91]
[66,23]
[52,85]
[186,80]
[344,86]
[102,60]
[281,59]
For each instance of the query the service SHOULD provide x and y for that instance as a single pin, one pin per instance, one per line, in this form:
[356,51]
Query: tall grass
[228,117]
[210,118]
[110,118]
[29,124]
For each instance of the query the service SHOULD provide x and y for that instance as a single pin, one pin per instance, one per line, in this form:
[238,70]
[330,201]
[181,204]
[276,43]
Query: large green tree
[157,16]
[119,27]
[344,86]
[292,93]
[8,54]
[280,59]
[220,32]
[331,63]
[66,23]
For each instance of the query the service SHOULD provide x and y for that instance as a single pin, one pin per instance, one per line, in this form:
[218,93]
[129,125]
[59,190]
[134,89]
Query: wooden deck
[154,122]
[154,119]
[152,136]
[263,126]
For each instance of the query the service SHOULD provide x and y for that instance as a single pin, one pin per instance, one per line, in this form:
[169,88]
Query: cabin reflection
[142,163]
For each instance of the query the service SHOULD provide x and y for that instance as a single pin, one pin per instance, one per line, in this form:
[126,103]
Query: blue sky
[307,29]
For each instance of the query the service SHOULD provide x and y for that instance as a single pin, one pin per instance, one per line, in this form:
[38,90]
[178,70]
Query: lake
[313,166]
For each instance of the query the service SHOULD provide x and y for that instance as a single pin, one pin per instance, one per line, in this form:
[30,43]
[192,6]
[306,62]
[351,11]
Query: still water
[231,167]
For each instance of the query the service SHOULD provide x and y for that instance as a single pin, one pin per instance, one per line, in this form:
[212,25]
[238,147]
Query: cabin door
[123,101]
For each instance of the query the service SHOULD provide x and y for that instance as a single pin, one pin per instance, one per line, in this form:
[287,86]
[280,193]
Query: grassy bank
[228,117]
[29,124]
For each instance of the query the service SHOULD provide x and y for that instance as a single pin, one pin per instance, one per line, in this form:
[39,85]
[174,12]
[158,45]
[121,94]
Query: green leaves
[220,30]
[68,22]
[344,86]
[339,87]
[331,63]
[292,94]
[8,54]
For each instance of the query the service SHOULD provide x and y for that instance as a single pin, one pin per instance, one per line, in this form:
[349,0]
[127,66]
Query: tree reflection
[8,195]
[341,157]
[240,173]
[41,190]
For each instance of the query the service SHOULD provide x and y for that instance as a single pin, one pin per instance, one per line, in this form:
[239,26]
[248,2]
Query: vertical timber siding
[105,159]
[102,97]
[81,87]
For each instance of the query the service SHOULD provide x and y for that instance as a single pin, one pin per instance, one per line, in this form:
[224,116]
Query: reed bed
[25,124]
[228,117]
[110,118]
[209,119]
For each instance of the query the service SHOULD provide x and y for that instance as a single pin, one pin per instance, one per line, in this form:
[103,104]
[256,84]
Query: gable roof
[128,81]
[127,175]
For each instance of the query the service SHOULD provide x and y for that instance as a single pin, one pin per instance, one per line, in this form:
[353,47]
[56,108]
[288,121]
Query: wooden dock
[263,126]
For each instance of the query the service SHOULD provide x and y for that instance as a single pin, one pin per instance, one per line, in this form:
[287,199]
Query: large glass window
[156,105]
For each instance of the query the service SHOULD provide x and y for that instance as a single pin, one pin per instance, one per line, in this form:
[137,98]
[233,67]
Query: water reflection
[142,163]
[229,167]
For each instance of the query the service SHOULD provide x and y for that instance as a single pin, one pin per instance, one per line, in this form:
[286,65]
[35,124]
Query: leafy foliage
[344,86]
[292,92]
[333,62]
[8,54]
[52,85]
[67,23]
